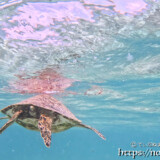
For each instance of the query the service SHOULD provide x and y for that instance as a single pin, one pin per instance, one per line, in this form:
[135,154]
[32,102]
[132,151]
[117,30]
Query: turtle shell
[45,102]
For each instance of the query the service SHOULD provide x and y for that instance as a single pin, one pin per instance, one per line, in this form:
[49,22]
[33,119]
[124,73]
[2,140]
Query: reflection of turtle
[44,113]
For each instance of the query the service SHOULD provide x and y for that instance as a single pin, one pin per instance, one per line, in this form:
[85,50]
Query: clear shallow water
[111,52]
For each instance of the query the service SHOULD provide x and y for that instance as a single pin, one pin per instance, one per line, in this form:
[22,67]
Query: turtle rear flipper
[11,120]
[44,124]
[93,129]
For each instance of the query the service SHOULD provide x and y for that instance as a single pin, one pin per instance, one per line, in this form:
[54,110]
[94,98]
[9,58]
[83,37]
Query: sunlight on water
[98,57]
[70,30]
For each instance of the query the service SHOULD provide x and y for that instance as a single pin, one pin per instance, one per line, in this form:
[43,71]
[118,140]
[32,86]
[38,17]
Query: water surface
[106,55]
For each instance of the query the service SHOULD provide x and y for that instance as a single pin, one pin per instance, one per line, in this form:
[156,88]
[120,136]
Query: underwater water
[100,58]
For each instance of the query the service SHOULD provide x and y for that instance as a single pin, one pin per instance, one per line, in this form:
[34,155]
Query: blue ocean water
[110,52]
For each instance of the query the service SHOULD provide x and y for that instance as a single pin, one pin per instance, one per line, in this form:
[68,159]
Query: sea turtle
[43,113]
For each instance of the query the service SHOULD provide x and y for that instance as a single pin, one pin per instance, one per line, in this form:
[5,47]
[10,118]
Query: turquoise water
[100,59]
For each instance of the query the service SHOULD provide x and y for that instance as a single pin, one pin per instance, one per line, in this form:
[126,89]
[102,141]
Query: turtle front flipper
[12,119]
[4,117]
[44,124]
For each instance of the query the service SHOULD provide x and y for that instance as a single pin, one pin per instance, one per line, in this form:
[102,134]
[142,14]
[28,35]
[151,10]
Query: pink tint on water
[120,6]
[38,21]
[35,21]
[94,90]
[129,6]
[47,81]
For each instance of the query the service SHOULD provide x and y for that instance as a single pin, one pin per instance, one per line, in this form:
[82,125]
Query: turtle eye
[32,108]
